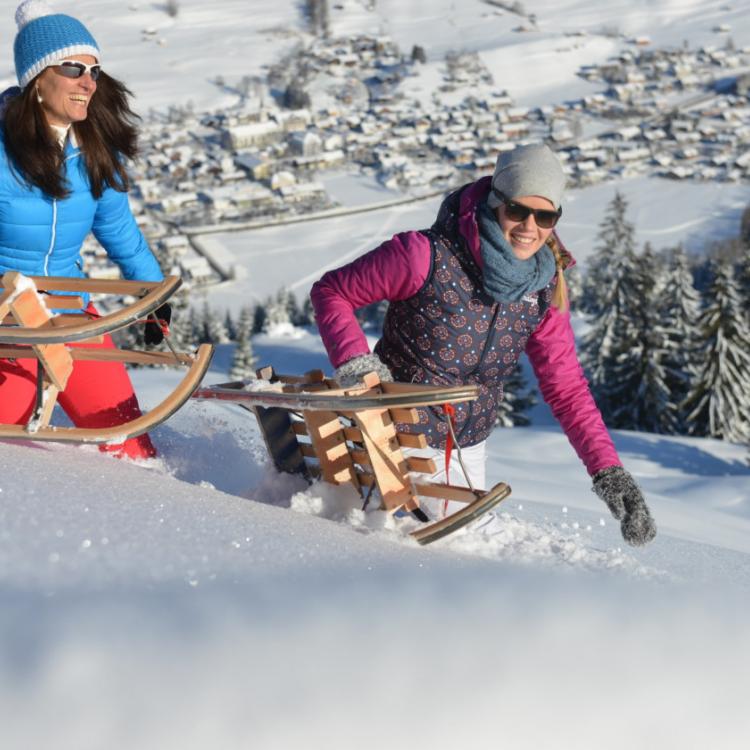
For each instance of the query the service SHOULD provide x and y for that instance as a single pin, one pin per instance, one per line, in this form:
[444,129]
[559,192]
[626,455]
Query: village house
[226,198]
[251,134]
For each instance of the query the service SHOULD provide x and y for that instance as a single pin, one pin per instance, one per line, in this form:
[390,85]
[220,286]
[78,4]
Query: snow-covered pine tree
[307,316]
[243,359]
[518,398]
[277,312]
[290,299]
[718,401]
[259,317]
[679,310]
[743,279]
[647,372]
[229,326]
[213,327]
[612,348]
[574,282]
[286,297]
[616,236]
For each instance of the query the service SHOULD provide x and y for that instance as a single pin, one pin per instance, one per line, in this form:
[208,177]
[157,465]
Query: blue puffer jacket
[41,236]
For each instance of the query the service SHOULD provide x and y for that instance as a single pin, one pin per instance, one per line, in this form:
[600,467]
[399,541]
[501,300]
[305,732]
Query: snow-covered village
[231,580]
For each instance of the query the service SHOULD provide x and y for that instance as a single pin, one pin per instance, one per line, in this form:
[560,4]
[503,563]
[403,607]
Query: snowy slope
[177,605]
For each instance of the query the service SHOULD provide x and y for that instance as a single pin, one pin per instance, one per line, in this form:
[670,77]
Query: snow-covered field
[205,601]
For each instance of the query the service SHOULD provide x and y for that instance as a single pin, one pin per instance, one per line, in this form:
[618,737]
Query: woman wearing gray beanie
[65,134]
[468,296]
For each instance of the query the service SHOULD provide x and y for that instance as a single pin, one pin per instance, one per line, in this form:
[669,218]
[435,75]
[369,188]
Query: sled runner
[314,427]
[30,330]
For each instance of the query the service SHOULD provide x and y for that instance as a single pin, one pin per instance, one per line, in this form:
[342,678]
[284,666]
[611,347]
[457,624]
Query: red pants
[97,394]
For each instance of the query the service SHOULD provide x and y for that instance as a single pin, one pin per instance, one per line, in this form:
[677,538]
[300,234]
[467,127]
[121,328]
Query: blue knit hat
[45,37]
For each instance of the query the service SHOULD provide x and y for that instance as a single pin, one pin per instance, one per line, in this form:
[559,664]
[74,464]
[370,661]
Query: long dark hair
[106,136]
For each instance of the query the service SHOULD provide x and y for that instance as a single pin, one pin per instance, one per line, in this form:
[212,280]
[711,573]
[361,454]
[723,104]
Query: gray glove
[625,501]
[351,372]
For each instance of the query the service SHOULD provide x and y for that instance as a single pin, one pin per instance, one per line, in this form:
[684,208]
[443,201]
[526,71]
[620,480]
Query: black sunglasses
[75,69]
[518,212]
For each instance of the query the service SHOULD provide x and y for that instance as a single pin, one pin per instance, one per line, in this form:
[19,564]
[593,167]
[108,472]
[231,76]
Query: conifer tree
[574,283]
[259,317]
[307,317]
[680,308]
[612,347]
[213,328]
[743,278]
[645,369]
[277,312]
[243,359]
[287,298]
[229,326]
[718,402]
[517,400]
[616,237]
[195,325]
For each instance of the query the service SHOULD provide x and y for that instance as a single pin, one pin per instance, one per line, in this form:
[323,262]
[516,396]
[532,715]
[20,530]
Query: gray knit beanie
[528,170]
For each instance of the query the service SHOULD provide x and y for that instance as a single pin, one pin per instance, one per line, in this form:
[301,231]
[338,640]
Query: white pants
[473,457]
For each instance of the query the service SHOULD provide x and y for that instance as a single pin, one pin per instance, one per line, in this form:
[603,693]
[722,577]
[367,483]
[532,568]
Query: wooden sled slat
[461,518]
[93,286]
[120,433]
[447,492]
[317,397]
[64,302]
[128,356]
[154,296]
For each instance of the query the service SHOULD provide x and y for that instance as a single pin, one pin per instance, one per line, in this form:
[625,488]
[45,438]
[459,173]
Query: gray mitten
[625,501]
[350,374]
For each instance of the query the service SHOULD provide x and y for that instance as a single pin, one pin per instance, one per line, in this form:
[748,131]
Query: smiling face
[525,237]
[65,100]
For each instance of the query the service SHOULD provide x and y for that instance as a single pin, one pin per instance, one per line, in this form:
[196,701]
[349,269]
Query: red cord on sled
[450,414]
[163,325]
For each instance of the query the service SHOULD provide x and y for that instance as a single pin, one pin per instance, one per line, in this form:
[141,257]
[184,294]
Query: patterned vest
[451,332]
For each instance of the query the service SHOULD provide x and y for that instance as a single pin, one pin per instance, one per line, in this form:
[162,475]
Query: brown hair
[562,260]
[106,136]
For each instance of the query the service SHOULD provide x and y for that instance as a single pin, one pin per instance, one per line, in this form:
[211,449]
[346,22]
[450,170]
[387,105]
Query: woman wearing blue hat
[468,296]
[66,133]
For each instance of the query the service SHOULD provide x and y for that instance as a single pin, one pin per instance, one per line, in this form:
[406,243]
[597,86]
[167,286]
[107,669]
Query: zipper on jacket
[489,339]
[52,238]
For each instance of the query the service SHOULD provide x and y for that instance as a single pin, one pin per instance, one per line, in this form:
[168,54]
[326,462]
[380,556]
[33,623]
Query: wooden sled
[349,436]
[29,330]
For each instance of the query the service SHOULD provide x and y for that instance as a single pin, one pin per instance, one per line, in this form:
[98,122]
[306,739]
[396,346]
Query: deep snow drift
[198,600]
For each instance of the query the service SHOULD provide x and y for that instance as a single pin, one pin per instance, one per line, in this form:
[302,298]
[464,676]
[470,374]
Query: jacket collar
[471,197]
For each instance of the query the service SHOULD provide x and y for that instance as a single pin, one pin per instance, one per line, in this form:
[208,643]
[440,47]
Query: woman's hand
[153,332]
[351,372]
[625,501]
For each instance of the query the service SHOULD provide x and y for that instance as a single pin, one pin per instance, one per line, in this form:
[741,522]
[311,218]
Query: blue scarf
[507,278]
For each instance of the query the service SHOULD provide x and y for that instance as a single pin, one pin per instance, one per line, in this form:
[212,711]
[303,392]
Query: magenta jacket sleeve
[551,350]
[395,270]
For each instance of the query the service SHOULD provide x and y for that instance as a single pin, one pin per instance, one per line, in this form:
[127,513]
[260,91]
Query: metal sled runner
[349,436]
[29,330]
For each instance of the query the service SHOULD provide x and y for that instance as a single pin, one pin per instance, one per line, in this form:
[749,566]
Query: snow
[203,600]
[205,585]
